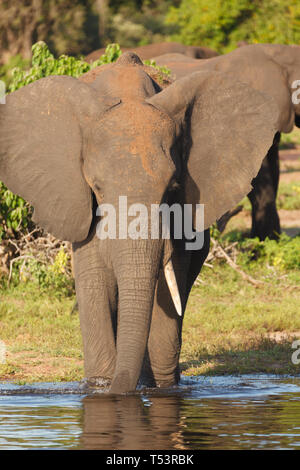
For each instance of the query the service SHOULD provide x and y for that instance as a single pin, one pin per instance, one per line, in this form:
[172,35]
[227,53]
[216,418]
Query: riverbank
[231,327]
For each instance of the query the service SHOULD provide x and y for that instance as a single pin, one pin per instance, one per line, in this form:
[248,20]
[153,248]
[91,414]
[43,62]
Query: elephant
[150,50]
[272,69]
[71,146]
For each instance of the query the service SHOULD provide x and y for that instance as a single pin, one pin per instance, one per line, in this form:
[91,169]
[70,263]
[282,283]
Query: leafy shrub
[162,69]
[56,277]
[112,53]
[138,22]
[283,254]
[6,70]
[44,64]
[15,213]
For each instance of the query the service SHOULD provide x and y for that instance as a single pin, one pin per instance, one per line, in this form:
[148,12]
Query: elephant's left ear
[228,128]
[41,152]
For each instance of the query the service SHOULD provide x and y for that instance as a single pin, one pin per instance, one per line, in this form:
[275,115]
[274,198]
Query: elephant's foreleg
[95,312]
[161,363]
[96,293]
[265,219]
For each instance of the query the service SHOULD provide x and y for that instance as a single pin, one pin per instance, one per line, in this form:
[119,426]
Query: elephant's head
[63,140]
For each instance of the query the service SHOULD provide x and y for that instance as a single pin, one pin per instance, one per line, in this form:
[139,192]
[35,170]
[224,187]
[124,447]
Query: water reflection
[130,422]
[40,422]
[178,423]
[249,424]
[218,413]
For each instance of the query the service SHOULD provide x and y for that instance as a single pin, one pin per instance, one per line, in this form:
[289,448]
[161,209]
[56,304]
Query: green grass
[291,140]
[41,335]
[288,197]
[230,326]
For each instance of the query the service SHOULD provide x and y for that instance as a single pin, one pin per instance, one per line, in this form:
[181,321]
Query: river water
[245,412]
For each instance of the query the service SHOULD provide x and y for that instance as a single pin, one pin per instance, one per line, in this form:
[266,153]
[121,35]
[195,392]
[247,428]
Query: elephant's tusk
[173,287]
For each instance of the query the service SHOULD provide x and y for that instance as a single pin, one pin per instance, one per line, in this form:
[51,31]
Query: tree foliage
[43,64]
[221,24]
[79,26]
[68,26]
[137,22]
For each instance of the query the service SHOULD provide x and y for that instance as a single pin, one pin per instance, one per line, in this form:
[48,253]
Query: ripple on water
[245,412]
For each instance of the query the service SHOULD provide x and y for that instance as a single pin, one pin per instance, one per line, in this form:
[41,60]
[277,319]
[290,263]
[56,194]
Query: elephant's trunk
[137,272]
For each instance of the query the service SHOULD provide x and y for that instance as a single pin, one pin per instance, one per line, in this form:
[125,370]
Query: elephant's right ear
[41,152]
[227,130]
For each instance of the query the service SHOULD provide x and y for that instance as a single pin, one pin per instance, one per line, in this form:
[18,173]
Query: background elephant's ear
[228,128]
[41,153]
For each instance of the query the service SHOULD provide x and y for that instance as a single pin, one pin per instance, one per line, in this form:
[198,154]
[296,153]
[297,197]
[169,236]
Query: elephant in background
[69,145]
[151,50]
[272,69]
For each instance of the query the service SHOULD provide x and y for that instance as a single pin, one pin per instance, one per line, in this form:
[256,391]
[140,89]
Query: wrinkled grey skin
[272,69]
[67,145]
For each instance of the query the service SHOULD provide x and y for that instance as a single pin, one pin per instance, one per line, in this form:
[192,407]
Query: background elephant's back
[202,52]
[151,50]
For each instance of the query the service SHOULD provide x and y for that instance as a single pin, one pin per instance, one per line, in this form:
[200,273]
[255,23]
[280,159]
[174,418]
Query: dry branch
[34,245]
[229,254]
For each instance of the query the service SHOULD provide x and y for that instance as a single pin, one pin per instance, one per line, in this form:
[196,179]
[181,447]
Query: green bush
[137,22]
[15,213]
[55,277]
[44,64]
[283,254]
[221,24]
[162,69]
[6,70]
